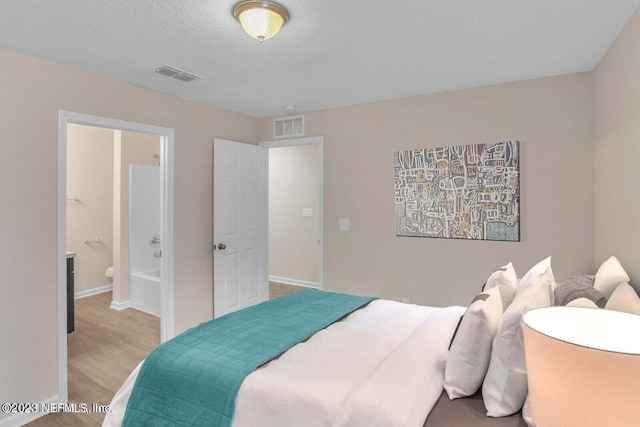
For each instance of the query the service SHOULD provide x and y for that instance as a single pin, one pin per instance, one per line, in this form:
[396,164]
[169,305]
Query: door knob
[222,246]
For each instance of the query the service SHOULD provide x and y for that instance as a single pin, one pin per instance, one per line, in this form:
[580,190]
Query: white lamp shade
[583,367]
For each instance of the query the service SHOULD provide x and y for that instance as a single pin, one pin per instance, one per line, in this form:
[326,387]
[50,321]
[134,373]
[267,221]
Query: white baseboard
[120,305]
[21,419]
[93,291]
[295,282]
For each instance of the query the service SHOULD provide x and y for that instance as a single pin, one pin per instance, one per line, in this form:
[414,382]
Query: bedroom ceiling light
[260,19]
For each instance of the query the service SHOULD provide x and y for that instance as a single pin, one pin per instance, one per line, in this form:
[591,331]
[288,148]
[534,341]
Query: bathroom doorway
[120,266]
[113,217]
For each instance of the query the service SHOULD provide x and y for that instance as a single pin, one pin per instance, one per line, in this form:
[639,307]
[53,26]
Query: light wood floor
[103,350]
[105,347]
[280,289]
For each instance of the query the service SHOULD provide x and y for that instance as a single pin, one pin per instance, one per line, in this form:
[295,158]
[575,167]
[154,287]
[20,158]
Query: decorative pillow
[577,287]
[624,298]
[506,280]
[636,286]
[583,279]
[468,358]
[582,302]
[536,270]
[609,275]
[505,386]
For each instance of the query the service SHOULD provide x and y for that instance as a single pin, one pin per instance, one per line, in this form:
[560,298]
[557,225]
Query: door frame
[167,284]
[319,141]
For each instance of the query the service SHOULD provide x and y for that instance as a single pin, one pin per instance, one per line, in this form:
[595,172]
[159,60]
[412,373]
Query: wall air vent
[177,73]
[285,127]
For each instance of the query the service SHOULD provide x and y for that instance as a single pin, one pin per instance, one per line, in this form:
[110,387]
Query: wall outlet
[344,224]
[307,212]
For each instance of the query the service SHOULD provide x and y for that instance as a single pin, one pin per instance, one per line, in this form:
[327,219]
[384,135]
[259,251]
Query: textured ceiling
[331,53]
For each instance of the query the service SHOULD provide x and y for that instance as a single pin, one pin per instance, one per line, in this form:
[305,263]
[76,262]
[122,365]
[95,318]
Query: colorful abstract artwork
[461,192]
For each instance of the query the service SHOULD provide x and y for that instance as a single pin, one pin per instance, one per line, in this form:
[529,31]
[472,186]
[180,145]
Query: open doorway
[295,215]
[154,173]
[113,217]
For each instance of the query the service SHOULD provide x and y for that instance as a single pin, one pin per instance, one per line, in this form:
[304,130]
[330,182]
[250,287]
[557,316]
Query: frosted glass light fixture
[260,19]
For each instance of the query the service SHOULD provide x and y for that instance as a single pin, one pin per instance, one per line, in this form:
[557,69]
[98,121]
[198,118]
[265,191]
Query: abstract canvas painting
[460,192]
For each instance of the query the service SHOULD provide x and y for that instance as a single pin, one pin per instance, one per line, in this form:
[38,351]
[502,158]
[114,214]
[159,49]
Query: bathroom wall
[130,148]
[90,179]
[144,218]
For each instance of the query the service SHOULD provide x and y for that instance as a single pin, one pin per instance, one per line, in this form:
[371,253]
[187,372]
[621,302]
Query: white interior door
[240,226]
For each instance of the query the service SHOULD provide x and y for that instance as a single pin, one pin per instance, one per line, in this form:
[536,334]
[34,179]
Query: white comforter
[383,365]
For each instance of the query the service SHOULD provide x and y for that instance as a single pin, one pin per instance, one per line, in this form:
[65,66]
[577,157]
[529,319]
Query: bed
[391,364]
[383,365]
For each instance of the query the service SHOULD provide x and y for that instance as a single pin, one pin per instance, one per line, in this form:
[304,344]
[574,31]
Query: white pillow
[526,413]
[582,302]
[468,358]
[506,280]
[505,386]
[624,298]
[536,270]
[609,275]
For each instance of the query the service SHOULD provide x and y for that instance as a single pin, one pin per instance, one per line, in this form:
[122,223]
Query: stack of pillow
[505,387]
[487,350]
[470,349]
[609,289]
[613,282]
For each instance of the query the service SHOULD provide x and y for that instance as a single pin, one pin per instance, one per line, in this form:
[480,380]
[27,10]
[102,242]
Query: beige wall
[553,120]
[90,179]
[131,148]
[617,151]
[31,93]
[293,186]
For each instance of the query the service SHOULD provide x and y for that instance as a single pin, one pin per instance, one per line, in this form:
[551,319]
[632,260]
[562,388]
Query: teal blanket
[194,379]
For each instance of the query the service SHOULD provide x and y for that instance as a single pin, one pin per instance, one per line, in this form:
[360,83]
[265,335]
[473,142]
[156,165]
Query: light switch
[344,224]
[307,212]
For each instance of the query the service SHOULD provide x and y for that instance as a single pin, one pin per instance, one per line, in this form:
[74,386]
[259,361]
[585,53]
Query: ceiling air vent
[177,73]
[285,127]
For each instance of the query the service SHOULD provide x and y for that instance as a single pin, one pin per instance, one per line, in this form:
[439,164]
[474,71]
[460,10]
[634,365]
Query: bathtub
[145,291]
